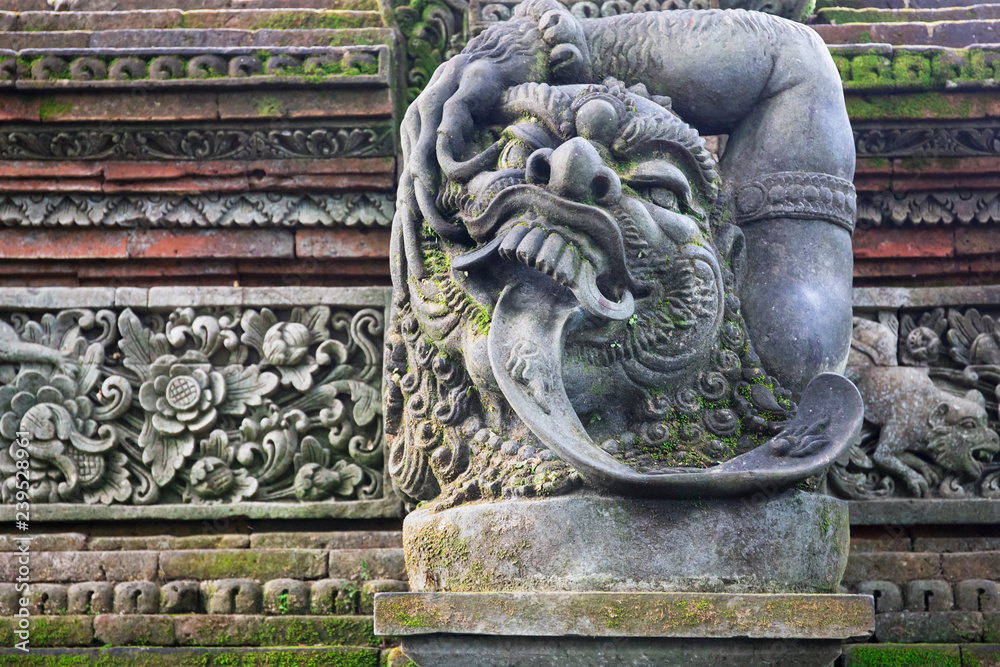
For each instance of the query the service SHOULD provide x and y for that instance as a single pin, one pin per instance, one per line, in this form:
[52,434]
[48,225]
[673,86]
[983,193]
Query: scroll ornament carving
[247,209]
[931,385]
[197,406]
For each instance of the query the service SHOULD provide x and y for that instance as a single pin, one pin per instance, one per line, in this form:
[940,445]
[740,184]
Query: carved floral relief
[198,405]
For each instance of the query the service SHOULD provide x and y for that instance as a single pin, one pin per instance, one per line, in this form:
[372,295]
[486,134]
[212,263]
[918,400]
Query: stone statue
[601,333]
[584,293]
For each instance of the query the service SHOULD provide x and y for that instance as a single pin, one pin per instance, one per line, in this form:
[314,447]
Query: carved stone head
[566,301]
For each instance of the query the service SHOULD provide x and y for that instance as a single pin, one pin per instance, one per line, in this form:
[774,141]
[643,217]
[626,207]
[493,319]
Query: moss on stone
[50,107]
[903,655]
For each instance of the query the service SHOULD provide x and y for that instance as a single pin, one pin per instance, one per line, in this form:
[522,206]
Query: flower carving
[285,345]
[213,479]
[183,395]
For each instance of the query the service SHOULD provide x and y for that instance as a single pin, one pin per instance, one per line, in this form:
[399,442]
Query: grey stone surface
[180,597]
[148,629]
[929,595]
[579,652]
[91,597]
[886,595]
[47,599]
[137,597]
[286,596]
[232,596]
[679,615]
[977,595]
[331,596]
[793,542]
[933,511]
[943,627]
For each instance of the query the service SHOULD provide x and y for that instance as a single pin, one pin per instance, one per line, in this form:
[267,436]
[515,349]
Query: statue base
[634,629]
[790,542]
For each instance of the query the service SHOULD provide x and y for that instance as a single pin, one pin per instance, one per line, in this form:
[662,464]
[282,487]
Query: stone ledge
[206,657]
[917,511]
[678,615]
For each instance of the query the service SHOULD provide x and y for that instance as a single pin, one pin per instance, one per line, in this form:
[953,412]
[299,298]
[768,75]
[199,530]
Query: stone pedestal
[601,580]
[791,542]
[634,629]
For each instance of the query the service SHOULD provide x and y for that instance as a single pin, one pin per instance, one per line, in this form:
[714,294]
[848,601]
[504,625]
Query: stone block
[180,597]
[888,596]
[286,596]
[860,545]
[333,596]
[218,630]
[871,655]
[90,597]
[929,595]
[395,657]
[977,595]
[9,599]
[903,243]
[363,564]
[898,567]
[309,630]
[981,655]
[956,544]
[370,588]
[212,542]
[168,244]
[261,565]
[941,627]
[47,631]
[232,596]
[137,597]
[342,243]
[64,244]
[347,539]
[134,630]
[47,542]
[47,599]
[978,565]
[129,565]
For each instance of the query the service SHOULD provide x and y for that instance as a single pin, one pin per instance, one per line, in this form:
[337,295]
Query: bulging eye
[662,197]
[969,423]
[514,155]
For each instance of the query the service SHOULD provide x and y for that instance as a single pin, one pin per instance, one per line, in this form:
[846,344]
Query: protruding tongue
[525,346]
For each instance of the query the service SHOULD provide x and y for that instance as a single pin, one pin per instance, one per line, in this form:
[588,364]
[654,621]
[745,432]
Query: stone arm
[771,85]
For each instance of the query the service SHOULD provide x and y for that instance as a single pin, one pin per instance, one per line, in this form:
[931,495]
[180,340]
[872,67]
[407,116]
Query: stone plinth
[635,629]
[792,542]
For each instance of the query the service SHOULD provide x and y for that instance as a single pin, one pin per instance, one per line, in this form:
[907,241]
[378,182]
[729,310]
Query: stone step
[211,19]
[841,15]
[897,4]
[953,34]
[196,39]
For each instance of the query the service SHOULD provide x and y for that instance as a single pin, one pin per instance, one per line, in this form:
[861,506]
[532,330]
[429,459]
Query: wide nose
[576,171]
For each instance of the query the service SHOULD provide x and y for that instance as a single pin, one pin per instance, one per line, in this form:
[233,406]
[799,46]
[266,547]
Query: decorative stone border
[934,207]
[284,140]
[154,68]
[913,139]
[244,210]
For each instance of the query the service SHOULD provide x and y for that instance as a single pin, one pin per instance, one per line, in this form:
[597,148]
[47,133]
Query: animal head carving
[960,438]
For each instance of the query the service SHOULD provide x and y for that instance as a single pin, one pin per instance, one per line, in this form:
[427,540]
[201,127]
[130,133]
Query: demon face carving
[581,321]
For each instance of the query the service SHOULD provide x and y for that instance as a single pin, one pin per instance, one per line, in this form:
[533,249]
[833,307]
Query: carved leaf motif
[140,346]
[245,386]
[367,402]
[164,455]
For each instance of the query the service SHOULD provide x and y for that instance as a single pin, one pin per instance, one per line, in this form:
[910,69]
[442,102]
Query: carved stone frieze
[877,209]
[202,406]
[171,67]
[252,209]
[484,13]
[216,141]
[887,68]
[433,31]
[930,380]
[915,140]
